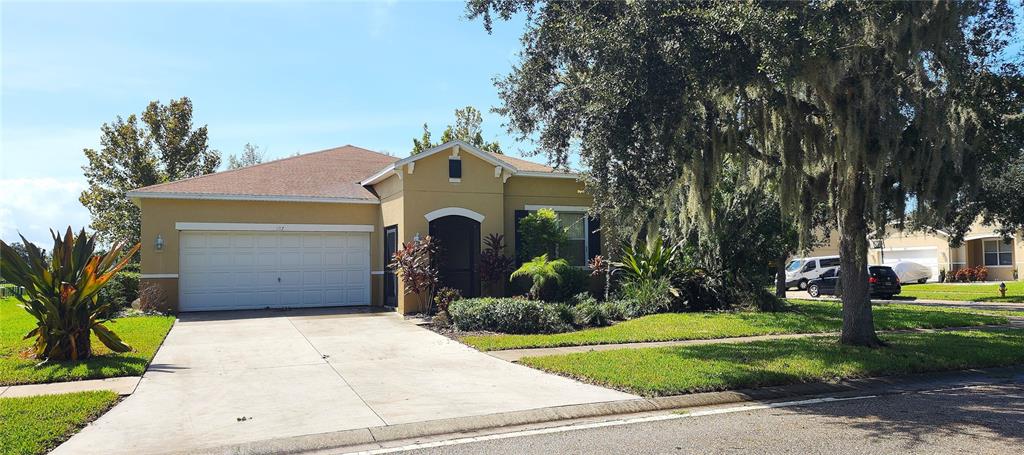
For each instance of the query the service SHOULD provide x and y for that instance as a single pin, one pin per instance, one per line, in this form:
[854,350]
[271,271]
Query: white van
[801,270]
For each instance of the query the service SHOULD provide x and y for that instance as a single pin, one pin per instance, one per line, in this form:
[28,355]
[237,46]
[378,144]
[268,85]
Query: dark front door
[458,241]
[390,279]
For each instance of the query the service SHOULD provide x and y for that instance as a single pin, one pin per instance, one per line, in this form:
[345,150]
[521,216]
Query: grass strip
[988,292]
[35,425]
[143,333]
[802,316]
[701,368]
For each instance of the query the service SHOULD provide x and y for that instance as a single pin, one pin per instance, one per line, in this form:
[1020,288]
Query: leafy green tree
[860,106]
[250,155]
[466,129]
[995,196]
[540,233]
[163,148]
[541,272]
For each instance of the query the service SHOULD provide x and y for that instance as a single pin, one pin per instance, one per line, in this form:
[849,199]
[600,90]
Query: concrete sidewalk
[122,386]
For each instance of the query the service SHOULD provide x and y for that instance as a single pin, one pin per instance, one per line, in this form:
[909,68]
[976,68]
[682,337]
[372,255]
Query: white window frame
[999,250]
[569,209]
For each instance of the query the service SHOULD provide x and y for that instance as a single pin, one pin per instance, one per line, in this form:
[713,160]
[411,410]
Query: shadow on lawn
[814,359]
[101,366]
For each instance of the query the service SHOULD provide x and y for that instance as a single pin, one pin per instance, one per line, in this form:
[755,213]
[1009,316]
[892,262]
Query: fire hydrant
[1002,289]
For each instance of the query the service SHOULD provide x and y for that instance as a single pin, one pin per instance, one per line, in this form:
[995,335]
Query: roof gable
[514,166]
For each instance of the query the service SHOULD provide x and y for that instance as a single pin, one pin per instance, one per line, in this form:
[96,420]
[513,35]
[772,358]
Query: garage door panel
[218,241]
[355,259]
[237,270]
[928,257]
[312,278]
[334,277]
[358,296]
[244,240]
[312,258]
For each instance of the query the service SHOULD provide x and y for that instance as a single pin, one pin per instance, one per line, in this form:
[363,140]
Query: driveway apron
[227,378]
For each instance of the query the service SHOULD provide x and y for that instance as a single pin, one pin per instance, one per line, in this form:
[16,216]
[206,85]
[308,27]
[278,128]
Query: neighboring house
[982,246]
[318,229]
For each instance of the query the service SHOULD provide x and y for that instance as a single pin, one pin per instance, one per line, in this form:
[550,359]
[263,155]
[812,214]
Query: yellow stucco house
[317,229]
[982,246]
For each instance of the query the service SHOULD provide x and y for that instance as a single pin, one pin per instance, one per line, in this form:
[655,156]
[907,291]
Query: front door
[390,279]
[458,241]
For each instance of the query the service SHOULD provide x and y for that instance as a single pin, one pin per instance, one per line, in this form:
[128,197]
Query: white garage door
[229,270]
[928,257]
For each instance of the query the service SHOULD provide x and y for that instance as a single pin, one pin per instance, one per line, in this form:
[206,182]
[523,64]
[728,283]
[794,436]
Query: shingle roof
[330,174]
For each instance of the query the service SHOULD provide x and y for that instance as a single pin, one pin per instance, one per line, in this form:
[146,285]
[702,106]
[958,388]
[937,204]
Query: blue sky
[287,77]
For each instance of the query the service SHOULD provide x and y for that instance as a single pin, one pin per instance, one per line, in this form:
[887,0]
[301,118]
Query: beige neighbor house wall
[415,191]
[974,251]
[969,254]
[904,241]
[159,217]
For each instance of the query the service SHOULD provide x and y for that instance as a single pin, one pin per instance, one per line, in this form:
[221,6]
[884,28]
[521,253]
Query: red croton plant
[414,263]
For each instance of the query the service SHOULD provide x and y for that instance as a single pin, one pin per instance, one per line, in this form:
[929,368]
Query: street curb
[376,435]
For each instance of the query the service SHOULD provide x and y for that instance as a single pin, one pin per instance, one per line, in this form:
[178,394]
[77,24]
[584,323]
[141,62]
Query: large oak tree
[859,106]
[164,147]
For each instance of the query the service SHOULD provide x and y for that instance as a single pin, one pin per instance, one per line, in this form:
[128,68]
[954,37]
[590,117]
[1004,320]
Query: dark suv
[882,282]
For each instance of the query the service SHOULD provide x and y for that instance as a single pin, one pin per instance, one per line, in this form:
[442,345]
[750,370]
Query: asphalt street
[985,419]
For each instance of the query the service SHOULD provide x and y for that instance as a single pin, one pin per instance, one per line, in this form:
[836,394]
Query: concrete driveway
[227,378]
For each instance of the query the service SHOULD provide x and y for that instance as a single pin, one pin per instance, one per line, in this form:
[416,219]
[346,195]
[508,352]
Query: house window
[454,169]
[997,253]
[575,225]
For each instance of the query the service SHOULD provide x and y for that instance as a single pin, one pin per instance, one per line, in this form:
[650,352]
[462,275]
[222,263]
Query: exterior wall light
[159,244]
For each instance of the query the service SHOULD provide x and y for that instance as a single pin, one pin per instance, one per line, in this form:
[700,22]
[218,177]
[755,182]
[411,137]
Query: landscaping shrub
[574,281]
[509,315]
[494,265]
[444,298]
[614,310]
[589,314]
[698,292]
[968,274]
[540,233]
[414,262]
[644,297]
[120,292]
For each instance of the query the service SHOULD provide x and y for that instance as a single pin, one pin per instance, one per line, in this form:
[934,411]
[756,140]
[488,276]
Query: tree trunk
[780,276]
[858,324]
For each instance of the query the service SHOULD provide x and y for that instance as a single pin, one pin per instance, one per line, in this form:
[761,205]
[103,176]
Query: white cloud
[33,206]
[29,151]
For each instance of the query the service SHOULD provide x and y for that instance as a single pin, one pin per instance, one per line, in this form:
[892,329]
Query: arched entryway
[458,255]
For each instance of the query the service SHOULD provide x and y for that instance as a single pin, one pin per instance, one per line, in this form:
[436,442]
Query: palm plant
[541,271]
[61,293]
[648,262]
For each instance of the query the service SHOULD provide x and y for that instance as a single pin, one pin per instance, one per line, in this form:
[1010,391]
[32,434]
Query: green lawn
[688,369]
[965,292]
[144,334]
[804,317]
[35,425]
